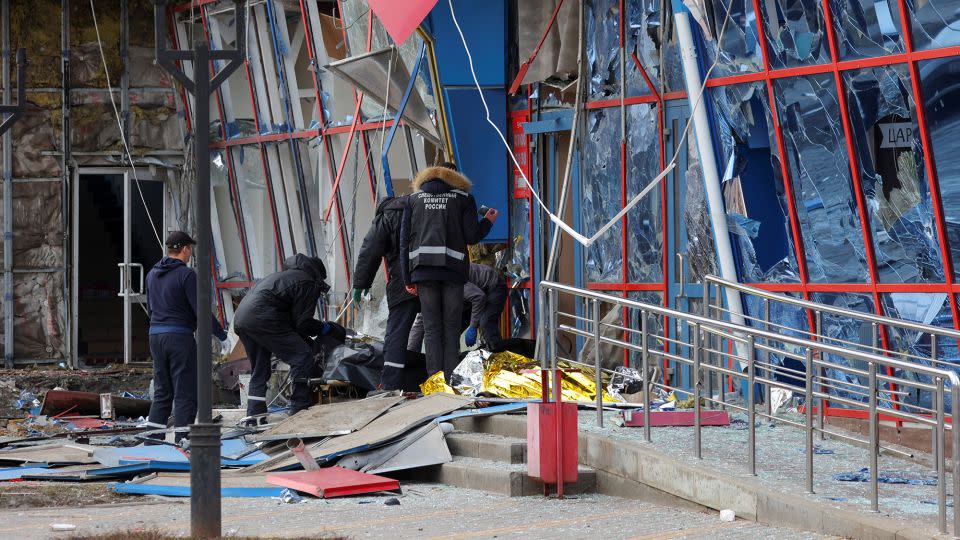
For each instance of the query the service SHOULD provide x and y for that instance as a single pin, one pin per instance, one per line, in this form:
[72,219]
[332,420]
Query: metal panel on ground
[328,420]
[333,482]
[391,425]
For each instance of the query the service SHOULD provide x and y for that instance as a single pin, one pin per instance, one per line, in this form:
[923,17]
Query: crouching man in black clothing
[277,316]
[172,307]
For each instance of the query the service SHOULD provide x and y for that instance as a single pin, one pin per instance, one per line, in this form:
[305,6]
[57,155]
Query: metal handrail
[815,386]
[824,308]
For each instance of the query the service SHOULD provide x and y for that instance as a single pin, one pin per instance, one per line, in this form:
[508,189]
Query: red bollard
[552,439]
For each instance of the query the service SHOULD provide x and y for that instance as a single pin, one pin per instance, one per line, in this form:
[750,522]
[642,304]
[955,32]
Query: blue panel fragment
[184,491]
[480,152]
[17,472]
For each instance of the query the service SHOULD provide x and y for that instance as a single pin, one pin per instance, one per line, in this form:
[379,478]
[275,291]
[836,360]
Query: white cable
[123,135]
[583,240]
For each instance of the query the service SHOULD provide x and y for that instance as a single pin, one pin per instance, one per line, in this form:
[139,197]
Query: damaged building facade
[832,122]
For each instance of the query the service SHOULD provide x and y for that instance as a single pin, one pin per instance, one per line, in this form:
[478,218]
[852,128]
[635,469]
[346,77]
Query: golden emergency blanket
[510,375]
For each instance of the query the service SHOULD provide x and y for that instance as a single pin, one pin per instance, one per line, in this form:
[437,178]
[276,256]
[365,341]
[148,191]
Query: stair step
[486,446]
[507,479]
[504,425]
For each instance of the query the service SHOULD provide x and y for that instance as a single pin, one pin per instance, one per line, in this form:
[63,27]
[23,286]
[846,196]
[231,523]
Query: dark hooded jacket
[285,301]
[172,299]
[383,241]
[458,221]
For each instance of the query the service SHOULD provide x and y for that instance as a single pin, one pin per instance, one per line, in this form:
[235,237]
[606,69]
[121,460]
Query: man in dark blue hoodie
[172,306]
[439,221]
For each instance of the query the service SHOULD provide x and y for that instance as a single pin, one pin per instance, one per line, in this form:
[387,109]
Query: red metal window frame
[767,75]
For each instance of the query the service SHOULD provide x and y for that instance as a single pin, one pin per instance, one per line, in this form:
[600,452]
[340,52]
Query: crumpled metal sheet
[468,375]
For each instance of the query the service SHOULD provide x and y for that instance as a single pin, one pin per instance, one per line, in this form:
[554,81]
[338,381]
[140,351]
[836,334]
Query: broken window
[843,331]
[890,157]
[601,195]
[940,94]
[644,221]
[518,267]
[866,28]
[757,206]
[735,21]
[257,212]
[795,33]
[602,32]
[925,308]
[228,248]
[936,23]
[820,172]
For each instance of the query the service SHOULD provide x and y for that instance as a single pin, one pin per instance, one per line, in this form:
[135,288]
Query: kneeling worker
[486,293]
[172,308]
[277,317]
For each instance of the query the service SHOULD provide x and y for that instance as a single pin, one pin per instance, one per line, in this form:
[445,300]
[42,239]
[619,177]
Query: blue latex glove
[470,337]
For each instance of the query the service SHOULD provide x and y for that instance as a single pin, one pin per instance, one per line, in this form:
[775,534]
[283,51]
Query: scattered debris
[888,477]
[635,418]
[817,450]
[392,501]
[62,527]
[727,515]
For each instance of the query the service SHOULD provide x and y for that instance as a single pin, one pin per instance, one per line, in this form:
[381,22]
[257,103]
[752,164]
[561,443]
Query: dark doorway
[100,325]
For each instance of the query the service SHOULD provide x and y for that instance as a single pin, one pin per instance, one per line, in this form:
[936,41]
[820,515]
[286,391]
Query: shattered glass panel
[940,94]
[654,326]
[786,319]
[842,331]
[520,323]
[698,231]
[518,266]
[892,175]
[602,21]
[739,52]
[926,308]
[228,249]
[866,28]
[795,32]
[817,156]
[749,159]
[936,23]
[644,221]
[643,27]
[257,212]
[601,192]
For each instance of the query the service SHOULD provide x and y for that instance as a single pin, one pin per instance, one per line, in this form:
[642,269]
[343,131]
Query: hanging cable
[123,135]
[557,220]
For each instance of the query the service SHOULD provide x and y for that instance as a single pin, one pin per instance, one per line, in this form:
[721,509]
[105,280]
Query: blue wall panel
[480,153]
[484,24]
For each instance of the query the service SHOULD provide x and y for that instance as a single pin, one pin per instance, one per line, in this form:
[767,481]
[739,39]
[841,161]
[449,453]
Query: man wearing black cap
[172,306]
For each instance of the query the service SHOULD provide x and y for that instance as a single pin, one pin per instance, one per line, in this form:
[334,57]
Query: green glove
[357,295]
